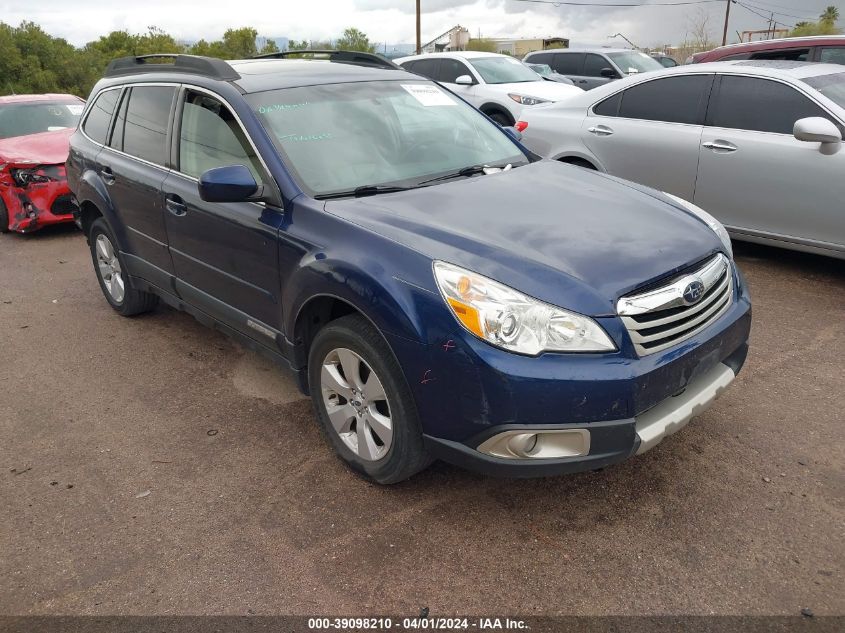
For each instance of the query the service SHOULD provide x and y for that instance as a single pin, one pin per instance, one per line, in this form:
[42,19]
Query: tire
[4,217]
[500,118]
[109,268]
[352,345]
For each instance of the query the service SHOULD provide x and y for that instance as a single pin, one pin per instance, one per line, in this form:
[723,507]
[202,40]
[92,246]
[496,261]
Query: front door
[225,255]
[754,175]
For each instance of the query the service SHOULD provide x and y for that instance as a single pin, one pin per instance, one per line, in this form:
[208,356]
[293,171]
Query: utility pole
[727,16]
[419,38]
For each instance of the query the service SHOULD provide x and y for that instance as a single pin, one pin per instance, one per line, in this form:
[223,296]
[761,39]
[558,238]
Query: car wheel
[363,404]
[4,217]
[110,273]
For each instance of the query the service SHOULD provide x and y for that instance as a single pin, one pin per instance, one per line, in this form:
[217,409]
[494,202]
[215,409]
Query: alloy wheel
[109,268]
[356,404]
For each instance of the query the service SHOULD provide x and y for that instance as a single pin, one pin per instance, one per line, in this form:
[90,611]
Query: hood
[46,148]
[566,235]
[551,90]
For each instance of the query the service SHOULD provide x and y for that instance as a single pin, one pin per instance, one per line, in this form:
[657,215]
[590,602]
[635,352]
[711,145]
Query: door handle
[600,130]
[720,146]
[175,205]
[107,175]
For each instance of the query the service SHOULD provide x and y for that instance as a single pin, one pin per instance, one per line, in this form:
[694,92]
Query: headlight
[526,100]
[513,321]
[712,222]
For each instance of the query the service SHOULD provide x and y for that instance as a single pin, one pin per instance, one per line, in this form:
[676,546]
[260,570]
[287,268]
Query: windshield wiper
[359,192]
[466,172]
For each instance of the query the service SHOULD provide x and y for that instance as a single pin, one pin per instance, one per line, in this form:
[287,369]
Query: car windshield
[831,86]
[339,137]
[541,69]
[21,119]
[503,70]
[631,62]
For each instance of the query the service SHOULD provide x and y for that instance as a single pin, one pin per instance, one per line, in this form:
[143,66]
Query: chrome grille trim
[661,318]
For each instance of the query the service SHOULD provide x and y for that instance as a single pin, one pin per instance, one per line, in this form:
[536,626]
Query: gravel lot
[153,466]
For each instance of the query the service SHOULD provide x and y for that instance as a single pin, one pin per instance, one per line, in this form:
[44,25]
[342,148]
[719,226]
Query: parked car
[439,291]
[546,72]
[593,67]
[34,133]
[665,60]
[756,143]
[498,85]
[821,48]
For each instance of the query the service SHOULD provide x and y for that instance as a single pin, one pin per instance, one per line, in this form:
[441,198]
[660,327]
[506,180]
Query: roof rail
[191,64]
[343,57]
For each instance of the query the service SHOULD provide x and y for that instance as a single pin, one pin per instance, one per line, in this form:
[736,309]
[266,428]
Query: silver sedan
[758,144]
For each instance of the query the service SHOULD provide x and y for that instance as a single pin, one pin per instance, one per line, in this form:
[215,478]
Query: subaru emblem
[693,292]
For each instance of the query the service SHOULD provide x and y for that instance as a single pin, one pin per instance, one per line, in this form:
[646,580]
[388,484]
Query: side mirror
[608,73]
[464,80]
[816,129]
[233,183]
[512,132]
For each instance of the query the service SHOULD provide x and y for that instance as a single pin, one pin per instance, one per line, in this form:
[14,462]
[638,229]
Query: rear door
[754,175]
[134,166]
[650,133]
[224,254]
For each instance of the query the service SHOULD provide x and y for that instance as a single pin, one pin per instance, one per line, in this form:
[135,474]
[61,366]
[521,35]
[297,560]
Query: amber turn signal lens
[467,315]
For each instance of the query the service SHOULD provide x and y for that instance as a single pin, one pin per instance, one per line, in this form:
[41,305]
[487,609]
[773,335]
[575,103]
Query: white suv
[498,85]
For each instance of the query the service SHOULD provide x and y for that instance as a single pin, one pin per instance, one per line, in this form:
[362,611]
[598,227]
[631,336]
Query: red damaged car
[34,133]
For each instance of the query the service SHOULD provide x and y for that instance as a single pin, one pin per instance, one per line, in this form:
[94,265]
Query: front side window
[145,129]
[35,117]
[632,62]
[673,100]
[761,105]
[831,86]
[338,137]
[568,63]
[210,137]
[594,64]
[503,70]
[451,69]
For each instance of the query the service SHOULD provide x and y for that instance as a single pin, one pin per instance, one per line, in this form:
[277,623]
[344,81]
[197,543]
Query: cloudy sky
[393,20]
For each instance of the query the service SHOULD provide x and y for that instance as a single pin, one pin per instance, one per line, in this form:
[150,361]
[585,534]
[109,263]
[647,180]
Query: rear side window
[96,125]
[145,131]
[568,63]
[761,105]
[673,100]
[426,68]
[832,55]
[540,58]
[210,137]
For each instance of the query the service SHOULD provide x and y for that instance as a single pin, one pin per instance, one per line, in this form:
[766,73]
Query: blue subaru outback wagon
[440,291]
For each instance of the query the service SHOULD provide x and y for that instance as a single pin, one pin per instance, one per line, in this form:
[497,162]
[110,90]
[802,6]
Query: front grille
[663,317]
[63,205]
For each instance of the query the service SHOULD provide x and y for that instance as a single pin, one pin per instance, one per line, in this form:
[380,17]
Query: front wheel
[112,276]
[363,403]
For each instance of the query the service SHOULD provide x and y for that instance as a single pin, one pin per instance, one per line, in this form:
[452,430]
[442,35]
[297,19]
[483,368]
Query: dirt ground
[153,466]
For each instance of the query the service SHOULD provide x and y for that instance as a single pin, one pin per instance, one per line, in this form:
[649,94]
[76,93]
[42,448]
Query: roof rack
[343,57]
[191,64]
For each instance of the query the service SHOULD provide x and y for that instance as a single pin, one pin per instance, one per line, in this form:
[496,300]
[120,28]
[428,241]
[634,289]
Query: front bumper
[37,204]
[470,392]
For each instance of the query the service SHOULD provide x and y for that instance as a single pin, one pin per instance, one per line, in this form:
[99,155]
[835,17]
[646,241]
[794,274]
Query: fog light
[538,444]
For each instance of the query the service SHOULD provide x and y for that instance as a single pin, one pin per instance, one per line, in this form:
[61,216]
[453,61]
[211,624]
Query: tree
[822,27]
[302,45]
[481,44]
[269,46]
[698,27]
[830,15]
[355,40]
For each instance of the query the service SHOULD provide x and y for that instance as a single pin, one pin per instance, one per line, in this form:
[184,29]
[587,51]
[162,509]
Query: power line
[787,15]
[764,16]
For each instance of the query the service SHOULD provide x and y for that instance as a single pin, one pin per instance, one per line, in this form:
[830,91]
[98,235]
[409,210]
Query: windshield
[503,70]
[338,137]
[831,86]
[635,62]
[541,69]
[21,119]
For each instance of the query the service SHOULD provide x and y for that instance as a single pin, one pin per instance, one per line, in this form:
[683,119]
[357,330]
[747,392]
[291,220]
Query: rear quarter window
[96,125]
